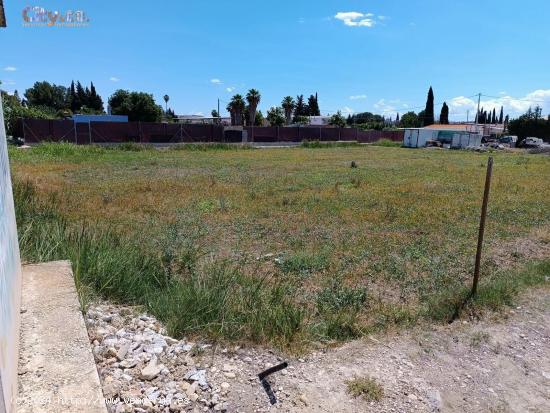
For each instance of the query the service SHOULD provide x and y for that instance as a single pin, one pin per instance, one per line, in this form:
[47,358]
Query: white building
[450,136]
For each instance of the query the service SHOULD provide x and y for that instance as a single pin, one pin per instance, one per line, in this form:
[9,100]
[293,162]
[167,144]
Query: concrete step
[57,371]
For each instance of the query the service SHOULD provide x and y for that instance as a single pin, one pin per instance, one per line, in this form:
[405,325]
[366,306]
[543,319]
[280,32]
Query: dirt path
[495,365]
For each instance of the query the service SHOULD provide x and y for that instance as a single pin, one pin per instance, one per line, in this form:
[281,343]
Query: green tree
[259,118]
[81,95]
[409,120]
[301,108]
[95,102]
[501,117]
[276,116]
[48,95]
[313,106]
[138,106]
[288,104]
[253,98]
[444,116]
[428,115]
[14,110]
[337,120]
[236,108]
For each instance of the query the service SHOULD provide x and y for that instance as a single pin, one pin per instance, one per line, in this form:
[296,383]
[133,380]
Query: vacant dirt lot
[499,364]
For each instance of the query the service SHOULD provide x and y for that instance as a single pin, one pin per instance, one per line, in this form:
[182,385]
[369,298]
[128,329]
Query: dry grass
[401,225]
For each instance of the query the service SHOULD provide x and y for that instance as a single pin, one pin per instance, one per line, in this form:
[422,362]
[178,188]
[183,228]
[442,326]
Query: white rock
[151,371]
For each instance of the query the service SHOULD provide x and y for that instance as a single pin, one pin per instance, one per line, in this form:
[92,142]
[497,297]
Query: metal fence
[41,130]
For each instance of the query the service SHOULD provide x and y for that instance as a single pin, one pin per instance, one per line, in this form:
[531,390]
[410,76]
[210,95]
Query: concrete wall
[10,282]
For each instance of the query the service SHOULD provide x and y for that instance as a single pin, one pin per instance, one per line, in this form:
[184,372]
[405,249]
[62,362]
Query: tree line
[531,123]
[243,110]
[45,100]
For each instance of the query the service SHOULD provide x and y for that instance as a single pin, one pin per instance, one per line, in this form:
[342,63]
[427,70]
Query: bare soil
[499,364]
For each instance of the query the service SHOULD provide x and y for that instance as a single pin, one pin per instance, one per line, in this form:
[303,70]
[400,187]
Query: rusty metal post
[482,223]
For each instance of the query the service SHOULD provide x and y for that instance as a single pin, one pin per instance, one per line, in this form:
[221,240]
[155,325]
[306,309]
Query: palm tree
[253,98]
[288,105]
[166,99]
[236,108]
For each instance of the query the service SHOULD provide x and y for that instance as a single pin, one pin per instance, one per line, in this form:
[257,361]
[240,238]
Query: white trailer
[417,138]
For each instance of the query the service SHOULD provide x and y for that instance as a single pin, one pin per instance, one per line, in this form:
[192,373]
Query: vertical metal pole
[482,223]
[478,102]
[90,131]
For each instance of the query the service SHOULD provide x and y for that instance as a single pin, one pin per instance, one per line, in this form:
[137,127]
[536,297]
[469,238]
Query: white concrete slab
[57,371]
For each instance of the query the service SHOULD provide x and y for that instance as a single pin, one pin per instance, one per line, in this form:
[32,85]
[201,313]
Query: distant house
[485,130]
[319,120]
[202,120]
[455,136]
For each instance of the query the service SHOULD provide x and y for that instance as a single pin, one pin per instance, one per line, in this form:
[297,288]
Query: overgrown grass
[495,292]
[324,145]
[387,143]
[216,300]
[211,147]
[353,250]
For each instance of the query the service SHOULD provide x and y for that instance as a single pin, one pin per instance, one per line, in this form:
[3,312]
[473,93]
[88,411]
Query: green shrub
[303,263]
[365,387]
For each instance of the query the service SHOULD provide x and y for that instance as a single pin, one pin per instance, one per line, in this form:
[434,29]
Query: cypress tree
[501,117]
[494,117]
[95,102]
[301,109]
[80,96]
[429,111]
[444,116]
[313,106]
[73,99]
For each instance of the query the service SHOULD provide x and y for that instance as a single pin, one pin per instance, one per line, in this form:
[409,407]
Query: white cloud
[514,106]
[356,19]
[357,97]
[382,17]
[230,89]
[216,81]
[114,79]
[8,82]
[10,69]
[346,110]
[386,107]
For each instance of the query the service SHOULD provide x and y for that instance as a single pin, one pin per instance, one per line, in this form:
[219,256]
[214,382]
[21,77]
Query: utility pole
[467,115]
[478,102]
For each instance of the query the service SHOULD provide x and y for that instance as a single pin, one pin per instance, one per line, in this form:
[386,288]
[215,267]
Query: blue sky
[378,56]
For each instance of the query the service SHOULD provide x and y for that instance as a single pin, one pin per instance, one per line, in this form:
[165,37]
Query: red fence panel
[38,130]
[262,133]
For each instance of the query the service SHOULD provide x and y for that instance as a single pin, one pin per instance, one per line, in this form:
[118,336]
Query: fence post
[278,134]
[482,223]
[75,134]
[90,131]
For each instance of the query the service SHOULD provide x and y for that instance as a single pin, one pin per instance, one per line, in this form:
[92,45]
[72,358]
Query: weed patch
[365,387]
